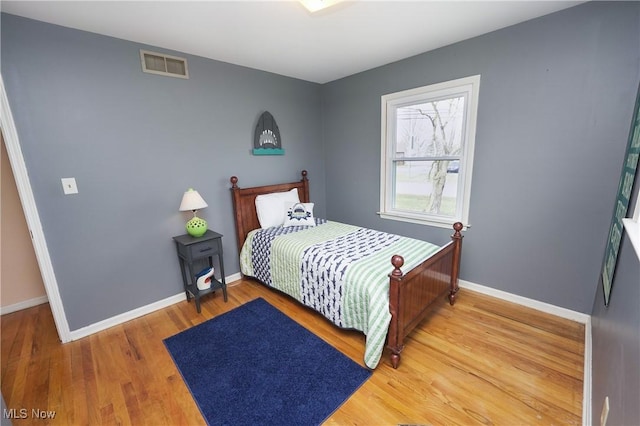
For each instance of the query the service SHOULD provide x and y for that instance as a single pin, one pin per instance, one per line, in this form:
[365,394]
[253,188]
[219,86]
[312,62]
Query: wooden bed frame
[410,293]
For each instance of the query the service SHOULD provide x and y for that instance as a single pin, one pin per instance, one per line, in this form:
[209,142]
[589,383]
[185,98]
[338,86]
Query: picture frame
[621,205]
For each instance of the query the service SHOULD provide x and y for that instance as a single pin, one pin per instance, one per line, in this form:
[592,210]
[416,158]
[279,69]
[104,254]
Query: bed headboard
[244,203]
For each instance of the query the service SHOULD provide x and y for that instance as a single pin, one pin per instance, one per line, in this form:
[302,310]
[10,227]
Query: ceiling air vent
[158,63]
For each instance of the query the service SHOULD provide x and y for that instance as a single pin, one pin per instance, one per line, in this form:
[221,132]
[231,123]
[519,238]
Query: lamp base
[196,227]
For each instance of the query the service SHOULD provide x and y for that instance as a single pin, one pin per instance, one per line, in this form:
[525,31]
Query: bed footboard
[411,294]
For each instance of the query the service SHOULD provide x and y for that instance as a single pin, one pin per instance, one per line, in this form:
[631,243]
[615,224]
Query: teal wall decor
[625,187]
[266,140]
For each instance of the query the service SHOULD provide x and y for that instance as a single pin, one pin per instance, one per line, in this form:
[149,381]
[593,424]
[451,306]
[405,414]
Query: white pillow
[269,207]
[299,214]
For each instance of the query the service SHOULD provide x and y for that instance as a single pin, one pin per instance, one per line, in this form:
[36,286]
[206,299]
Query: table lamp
[191,200]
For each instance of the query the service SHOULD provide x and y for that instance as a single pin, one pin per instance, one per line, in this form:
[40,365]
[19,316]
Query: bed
[418,274]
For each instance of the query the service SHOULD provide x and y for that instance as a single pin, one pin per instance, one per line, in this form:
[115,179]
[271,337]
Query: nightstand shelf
[194,254]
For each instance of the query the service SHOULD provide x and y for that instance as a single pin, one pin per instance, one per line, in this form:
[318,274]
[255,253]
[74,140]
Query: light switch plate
[69,186]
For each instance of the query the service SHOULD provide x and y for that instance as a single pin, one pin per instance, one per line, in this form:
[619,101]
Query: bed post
[305,183]
[236,212]
[395,337]
[457,240]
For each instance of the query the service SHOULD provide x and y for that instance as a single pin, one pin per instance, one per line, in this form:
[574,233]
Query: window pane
[426,187]
[430,129]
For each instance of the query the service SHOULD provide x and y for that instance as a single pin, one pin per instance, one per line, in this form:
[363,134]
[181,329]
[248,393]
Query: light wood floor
[482,361]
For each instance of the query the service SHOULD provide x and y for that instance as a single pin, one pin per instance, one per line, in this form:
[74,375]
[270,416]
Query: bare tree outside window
[424,141]
[429,131]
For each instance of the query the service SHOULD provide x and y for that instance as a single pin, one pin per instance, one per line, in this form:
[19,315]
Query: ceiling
[283,37]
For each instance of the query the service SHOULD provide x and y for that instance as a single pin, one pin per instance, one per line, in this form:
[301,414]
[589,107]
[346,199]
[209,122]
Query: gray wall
[615,331]
[555,103]
[135,142]
[616,343]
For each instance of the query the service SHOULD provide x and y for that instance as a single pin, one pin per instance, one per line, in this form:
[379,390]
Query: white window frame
[632,225]
[469,86]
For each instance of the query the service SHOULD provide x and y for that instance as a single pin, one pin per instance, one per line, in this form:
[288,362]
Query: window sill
[633,231]
[420,221]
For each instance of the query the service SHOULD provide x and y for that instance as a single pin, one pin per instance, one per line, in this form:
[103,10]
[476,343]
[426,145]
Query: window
[428,135]
[158,63]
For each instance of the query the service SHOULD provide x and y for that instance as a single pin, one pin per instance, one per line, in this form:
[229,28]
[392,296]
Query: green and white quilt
[341,271]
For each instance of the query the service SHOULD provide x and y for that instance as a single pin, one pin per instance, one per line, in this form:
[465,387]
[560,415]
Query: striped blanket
[339,270]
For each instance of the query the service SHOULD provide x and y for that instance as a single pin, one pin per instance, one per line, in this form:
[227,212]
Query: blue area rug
[256,366]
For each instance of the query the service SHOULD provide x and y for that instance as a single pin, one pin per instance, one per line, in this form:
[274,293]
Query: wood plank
[482,361]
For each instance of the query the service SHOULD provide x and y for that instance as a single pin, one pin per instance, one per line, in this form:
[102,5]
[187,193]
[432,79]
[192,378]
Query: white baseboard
[126,316]
[23,305]
[110,322]
[231,279]
[530,303]
[135,313]
[560,312]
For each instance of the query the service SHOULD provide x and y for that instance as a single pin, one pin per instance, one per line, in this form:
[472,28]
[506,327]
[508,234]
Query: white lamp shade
[191,200]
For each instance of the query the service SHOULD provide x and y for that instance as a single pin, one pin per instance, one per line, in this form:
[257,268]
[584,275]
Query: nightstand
[194,254]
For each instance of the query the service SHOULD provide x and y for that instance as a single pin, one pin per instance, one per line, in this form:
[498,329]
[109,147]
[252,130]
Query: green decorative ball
[196,227]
